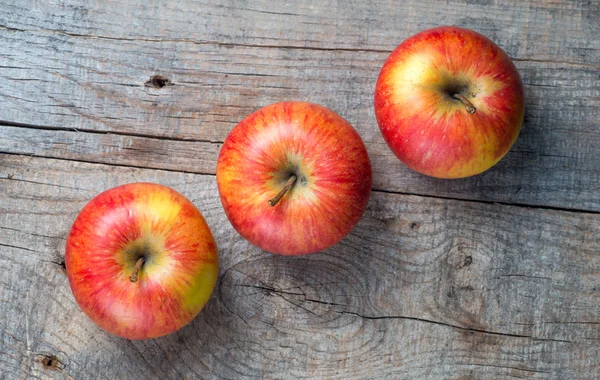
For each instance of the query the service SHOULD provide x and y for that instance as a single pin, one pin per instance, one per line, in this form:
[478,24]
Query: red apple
[141,260]
[294,178]
[449,102]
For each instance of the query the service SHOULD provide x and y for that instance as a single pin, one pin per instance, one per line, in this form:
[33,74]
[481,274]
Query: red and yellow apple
[294,178]
[449,102]
[141,260]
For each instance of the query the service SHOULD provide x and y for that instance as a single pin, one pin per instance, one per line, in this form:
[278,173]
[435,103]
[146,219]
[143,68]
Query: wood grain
[491,277]
[530,29]
[98,86]
[422,288]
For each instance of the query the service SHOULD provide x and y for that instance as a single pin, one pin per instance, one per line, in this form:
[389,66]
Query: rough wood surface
[94,81]
[529,29]
[438,280]
[422,288]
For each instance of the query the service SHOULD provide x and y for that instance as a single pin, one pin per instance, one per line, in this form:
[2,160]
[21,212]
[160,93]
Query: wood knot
[468,261]
[51,362]
[158,81]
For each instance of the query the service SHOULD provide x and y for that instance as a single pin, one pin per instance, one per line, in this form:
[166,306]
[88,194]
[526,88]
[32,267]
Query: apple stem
[470,107]
[136,270]
[288,185]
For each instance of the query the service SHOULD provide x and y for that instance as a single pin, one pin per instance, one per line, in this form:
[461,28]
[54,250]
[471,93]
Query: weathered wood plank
[422,288]
[530,29]
[98,85]
[150,152]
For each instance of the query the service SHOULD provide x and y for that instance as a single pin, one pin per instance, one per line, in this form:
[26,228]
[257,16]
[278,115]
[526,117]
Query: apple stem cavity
[136,270]
[470,107]
[288,185]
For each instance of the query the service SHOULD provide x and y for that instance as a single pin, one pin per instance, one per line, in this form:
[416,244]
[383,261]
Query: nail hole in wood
[468,261]
[158,81]
[51,362]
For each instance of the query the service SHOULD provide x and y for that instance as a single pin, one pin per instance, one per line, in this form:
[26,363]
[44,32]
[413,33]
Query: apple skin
[429,130]
[106,240]
[325,153]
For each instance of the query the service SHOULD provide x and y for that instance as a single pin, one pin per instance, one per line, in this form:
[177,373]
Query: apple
[449,102]
[294,178]
[141,260]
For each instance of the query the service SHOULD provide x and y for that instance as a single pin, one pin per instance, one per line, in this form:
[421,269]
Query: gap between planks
[505,204]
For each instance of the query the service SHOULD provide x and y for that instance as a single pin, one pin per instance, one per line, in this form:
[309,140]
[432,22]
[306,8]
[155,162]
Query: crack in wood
[499,203]
[61,264]
[17,247]
[195,42]
[7,123]
[526,276]
[571,323]
[281,294]
[111,164]
[377,190]
[470,329]
[261,46]
[557,62]
[508,367]
[12,178]
[280,291]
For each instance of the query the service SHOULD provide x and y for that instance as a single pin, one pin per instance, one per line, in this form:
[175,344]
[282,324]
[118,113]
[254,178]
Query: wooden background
[495,276]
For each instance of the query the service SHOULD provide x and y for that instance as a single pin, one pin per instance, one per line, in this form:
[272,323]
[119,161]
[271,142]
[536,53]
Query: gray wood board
[426,286]
[56,81]
[530,29]
[422,288]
